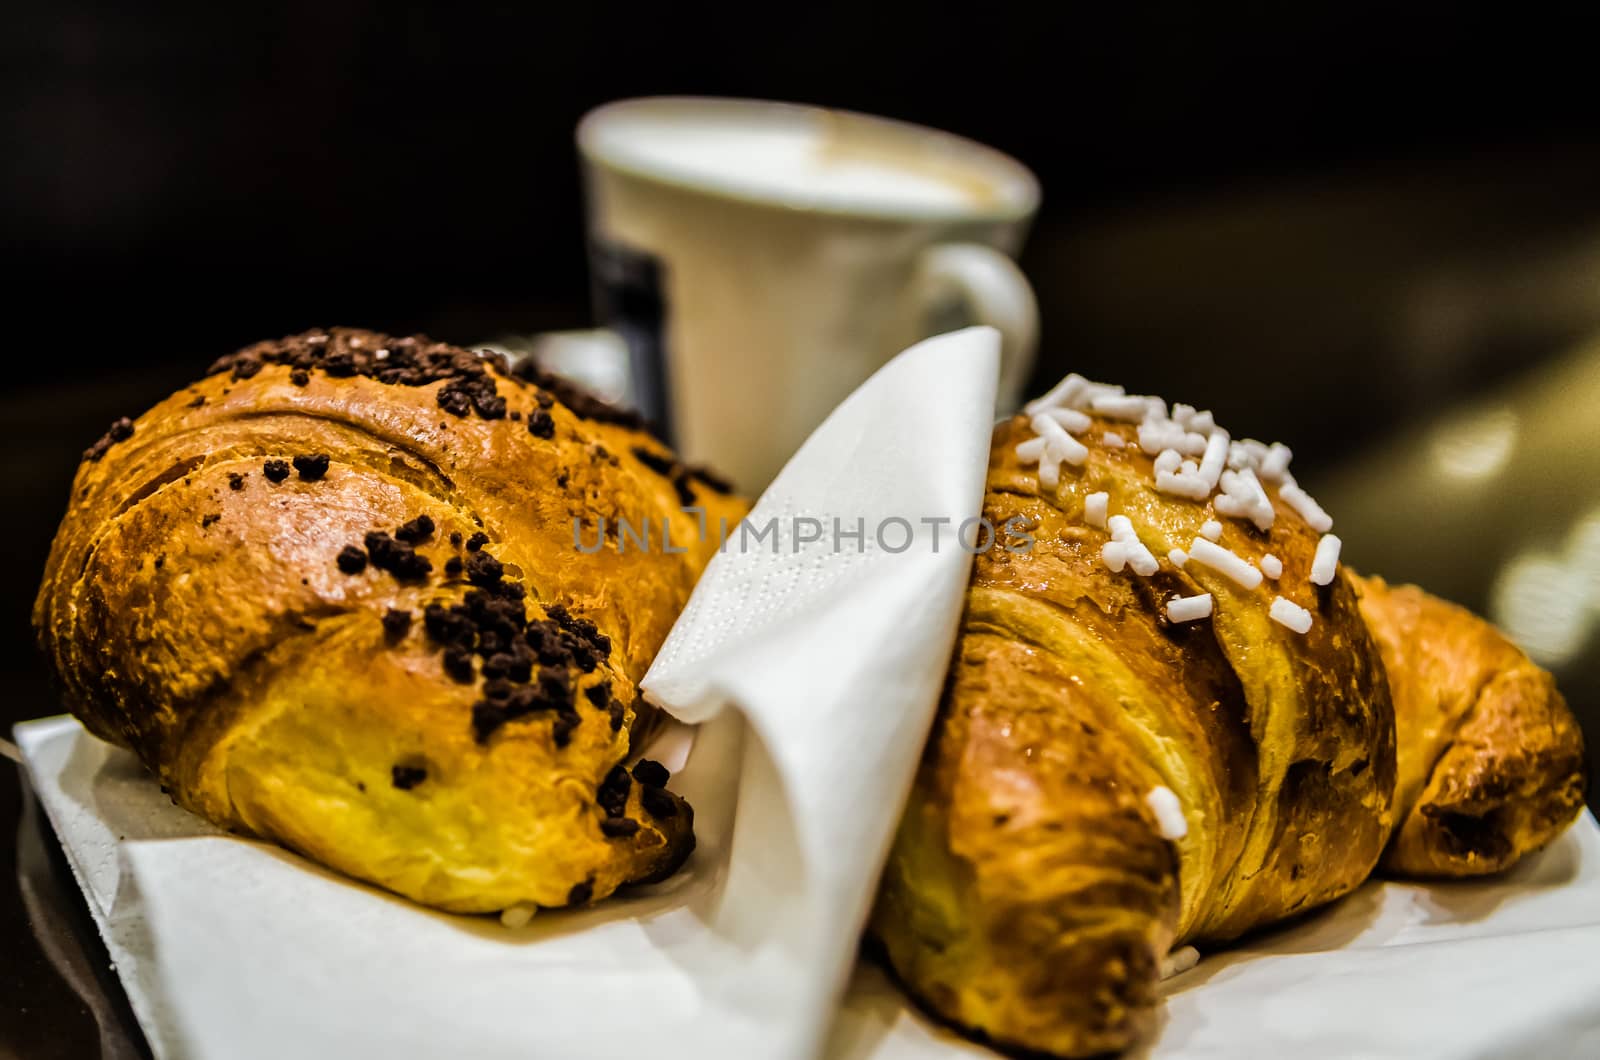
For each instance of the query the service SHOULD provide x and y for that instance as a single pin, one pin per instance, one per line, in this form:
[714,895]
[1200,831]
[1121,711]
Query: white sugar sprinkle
[1071,419]
[1275,462]
[1305,507]
[1182,485]
[1121,406]
[1094,509]
[1154,436]
[1289,614]
[1050,473]
[1216,458]
[1179,961]
[1133,551]
[1068,393]
[1169,812]
[518,915]
[1189,608]
[1224,562]
[1245,499]
[1141,559]
[1326,562]
[1193,459]
[1057,442]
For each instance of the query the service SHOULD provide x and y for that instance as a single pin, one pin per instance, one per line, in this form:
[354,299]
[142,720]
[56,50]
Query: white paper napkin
[831,662]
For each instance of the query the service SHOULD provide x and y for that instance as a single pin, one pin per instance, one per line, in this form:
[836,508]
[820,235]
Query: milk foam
[797,160]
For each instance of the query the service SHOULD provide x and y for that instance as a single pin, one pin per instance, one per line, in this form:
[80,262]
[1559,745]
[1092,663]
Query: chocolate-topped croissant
[1168,719]
[366,596]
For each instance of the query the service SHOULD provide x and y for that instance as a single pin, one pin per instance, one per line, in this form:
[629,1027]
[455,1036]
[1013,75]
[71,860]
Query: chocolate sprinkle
[207,520]
[199,399]
[396,624]
[680,483]
[619,716]
[599,694]
[583,404]
[682,476]
[275,470]
[483,569]
[455,539]
[486,718]
[397,557]
[653,773]
[470,379]
[120,430]
[657,803]
[236,481]
[311,468]
[407,777]
[447,626]
[581,892]
[458,664]
[561,731]
[453,567]
[419,529]
[477,541]
[711,480]
[351,560]
[660,464]
[618,827]
[612,795]
[540,424]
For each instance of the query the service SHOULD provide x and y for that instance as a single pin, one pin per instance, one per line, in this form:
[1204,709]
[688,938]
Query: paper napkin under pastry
[814,671]
[812,674]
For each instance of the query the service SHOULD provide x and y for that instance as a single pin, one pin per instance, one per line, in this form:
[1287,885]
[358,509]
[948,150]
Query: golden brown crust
[195,610]
[1029,894]
[1491,761]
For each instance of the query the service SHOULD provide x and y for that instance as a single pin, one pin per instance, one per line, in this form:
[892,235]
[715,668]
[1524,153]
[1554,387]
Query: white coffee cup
[762,259]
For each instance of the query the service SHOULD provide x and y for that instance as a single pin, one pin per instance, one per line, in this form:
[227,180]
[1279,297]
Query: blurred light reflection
[1475,444]
[1542,607]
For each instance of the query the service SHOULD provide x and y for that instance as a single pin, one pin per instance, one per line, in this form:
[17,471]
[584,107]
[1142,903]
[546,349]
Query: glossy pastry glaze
[1030,894]
[1492,762]
[330,594]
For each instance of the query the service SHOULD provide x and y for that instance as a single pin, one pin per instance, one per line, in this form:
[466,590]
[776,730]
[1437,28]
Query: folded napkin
[813,671]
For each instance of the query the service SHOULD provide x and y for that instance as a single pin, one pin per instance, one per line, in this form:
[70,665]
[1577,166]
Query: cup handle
[960,284]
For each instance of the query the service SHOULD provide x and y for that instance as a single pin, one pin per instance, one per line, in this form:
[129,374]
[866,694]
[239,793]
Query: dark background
[1326,221]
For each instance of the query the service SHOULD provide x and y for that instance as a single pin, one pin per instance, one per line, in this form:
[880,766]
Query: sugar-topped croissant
[333,595]
[1171,716]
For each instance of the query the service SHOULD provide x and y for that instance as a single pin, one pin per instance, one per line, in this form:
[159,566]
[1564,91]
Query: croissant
[337,595]
[1145,741]
[1491,760]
